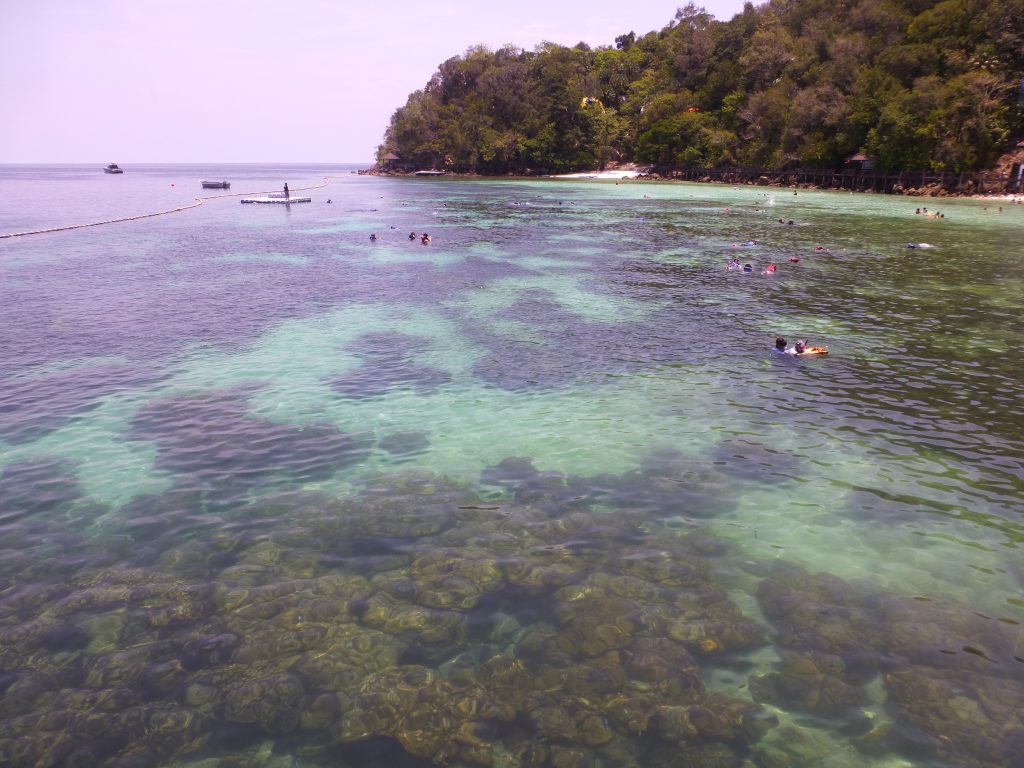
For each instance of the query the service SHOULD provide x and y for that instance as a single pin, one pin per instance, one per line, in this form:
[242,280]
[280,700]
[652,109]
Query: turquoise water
[538,493]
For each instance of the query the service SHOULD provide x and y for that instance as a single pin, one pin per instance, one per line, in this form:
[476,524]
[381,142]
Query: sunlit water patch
[536,493]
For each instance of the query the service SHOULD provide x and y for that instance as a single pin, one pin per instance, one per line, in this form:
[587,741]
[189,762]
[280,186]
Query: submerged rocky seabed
[531,619]
[537,495]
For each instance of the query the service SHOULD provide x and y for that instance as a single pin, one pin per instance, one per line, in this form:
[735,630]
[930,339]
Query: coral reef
[414,613]
[953,678]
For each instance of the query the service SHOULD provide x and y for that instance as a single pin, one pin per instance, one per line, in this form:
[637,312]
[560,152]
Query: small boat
[112,168]
[429,173]
[216,184]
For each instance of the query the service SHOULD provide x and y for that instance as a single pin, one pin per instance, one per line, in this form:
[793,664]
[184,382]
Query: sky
[234,81]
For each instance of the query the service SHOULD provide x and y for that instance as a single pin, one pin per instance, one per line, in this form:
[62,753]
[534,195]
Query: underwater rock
[794,747]
[595,625]
[34,406]
[977,720]
[954,680]
[749,458]
[219,444]
[386,365]
[272,702]
[664,567]
[35,488]
[942,633]
[209,651]
[380,378]
[414,613]
[28,690]
[405,445]
[809,682]
[665,665]
[819,612]
[715,718]
[147,517]
[547,491]
[668,484]
[348,654]
[427,626]
[953,677]
[713,754]
[717,631]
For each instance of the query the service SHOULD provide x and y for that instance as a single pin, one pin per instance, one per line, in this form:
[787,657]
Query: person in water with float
[798,349]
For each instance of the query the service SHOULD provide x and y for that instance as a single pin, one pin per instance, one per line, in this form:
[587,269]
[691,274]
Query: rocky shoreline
[776,181]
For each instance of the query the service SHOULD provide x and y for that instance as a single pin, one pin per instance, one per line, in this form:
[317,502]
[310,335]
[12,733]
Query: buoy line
[199,201]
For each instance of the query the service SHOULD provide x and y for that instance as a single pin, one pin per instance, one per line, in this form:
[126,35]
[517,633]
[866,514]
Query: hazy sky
[254,80]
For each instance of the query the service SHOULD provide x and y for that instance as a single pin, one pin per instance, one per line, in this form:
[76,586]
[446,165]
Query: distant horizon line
[189,162]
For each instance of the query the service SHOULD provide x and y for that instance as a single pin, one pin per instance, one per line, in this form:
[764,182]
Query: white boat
[112,168]
[273,198]
[216,184]
[429,173]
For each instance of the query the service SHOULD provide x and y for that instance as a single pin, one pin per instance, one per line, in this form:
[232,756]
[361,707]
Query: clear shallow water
[538,493]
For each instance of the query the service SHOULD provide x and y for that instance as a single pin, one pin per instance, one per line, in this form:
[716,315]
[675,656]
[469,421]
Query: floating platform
[216,184]
[278,200]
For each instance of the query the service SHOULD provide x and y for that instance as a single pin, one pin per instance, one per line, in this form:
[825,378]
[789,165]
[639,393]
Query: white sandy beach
[616,174]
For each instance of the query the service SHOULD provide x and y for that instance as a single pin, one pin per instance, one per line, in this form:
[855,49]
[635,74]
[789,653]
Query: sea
[537,492]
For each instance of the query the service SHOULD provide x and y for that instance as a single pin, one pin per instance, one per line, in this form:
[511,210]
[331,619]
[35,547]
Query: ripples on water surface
[536,494]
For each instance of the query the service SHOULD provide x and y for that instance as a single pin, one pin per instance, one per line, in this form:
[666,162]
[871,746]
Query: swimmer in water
[748,267]
[780,344]
[373,238]
[425,239]
[412,235]
[769,270]
[734,264]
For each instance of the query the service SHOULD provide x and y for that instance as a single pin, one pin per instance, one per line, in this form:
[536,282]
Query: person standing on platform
[286,193]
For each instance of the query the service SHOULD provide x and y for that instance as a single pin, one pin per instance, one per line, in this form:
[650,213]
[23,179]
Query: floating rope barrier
[199,201]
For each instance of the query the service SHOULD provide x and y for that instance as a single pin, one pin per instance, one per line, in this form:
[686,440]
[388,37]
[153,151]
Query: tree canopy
[915,84]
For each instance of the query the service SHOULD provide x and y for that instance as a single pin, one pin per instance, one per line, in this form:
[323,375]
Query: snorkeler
[768,270]
[748,267]
[734,264]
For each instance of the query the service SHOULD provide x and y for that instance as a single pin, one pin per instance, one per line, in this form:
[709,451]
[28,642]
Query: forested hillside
[914,84]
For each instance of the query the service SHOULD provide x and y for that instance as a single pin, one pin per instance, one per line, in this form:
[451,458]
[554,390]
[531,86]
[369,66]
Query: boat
[112,168]
[429,173]
[274,199]
[216,184]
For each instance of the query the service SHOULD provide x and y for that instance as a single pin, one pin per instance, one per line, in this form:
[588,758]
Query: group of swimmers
[769,269]
[424,238]
[929,214]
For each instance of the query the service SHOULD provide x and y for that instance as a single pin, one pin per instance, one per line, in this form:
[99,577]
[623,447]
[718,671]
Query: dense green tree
[919,84]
